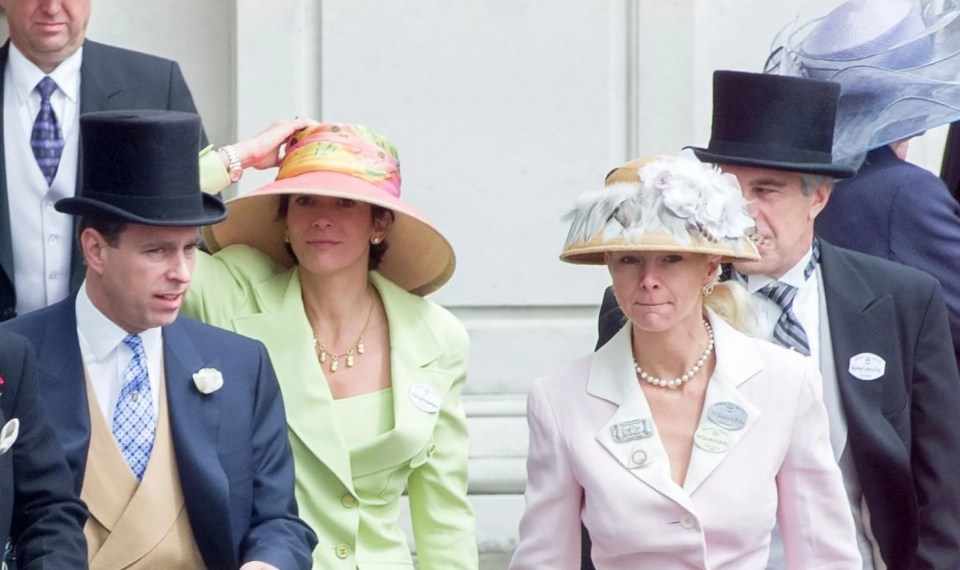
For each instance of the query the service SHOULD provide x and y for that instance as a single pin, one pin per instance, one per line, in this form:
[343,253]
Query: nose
[648,279]
[181,268]
[322,219]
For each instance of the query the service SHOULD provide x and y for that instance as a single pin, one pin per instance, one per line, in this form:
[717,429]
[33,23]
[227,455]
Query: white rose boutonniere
[208,380]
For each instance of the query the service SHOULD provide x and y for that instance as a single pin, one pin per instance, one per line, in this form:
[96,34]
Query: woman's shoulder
[245,260]
[438,317]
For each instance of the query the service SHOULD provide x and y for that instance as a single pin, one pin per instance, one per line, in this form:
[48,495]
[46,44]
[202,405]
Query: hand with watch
[262,150]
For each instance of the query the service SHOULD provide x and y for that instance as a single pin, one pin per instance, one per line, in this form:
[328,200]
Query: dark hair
[110,228]
[377,250]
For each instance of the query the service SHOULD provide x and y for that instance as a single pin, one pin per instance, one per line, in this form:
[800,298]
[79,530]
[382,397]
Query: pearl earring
[375,241]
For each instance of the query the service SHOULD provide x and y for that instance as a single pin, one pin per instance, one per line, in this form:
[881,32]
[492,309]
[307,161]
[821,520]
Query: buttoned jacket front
[241,289]
[778,467]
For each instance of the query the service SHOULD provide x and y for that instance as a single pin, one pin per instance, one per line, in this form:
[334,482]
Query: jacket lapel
[414,347]
[737,362]
[64,391]
[857,324]
[630,434]
[194,427]
[283,327]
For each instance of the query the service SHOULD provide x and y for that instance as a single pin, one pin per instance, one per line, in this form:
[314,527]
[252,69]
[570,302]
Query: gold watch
[234,167]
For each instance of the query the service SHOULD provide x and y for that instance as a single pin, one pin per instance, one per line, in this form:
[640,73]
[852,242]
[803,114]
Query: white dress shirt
[106,356]
[42,237]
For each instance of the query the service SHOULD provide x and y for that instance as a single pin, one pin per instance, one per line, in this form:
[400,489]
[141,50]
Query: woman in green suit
[327,267]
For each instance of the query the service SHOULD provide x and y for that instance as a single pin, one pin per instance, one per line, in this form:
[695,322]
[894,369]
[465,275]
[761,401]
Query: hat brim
[418,259]
[825,169]
[213,211]
[592,252]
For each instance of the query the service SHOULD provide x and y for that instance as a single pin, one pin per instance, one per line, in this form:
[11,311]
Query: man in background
[51,75]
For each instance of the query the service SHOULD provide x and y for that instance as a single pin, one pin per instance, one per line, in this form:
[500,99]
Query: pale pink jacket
[779,468]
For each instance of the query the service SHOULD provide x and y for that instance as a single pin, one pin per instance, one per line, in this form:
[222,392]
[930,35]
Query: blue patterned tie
[788,331]
[46,139]
[133,421]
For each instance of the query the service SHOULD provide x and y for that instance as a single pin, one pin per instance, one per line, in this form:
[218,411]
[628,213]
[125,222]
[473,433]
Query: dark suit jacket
[39,510]
[231,446]
[903,428]
[899,211]
[950,168]
[111,79]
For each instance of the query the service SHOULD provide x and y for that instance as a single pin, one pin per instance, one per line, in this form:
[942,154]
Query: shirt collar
[26,75]
[794,276]
[101,334]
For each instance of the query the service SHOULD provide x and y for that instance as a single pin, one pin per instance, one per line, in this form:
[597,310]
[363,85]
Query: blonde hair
[731,302]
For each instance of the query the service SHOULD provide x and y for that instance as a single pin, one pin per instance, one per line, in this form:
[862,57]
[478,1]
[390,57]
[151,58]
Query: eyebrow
[768,182]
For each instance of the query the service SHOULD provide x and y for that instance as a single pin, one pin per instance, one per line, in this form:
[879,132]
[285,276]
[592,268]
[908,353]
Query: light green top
[364,417]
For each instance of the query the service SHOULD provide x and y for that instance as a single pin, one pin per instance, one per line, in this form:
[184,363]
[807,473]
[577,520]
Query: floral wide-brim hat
[662,203]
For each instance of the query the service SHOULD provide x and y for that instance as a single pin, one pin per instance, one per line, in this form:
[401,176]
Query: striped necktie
[788,331]
[46,140]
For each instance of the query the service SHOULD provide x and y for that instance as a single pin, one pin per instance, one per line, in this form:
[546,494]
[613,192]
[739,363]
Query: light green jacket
[242,290]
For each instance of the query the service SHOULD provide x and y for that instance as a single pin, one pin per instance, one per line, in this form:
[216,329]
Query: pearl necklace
[686,376]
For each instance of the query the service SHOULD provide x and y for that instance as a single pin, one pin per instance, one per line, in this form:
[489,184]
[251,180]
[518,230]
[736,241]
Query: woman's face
[656,290]
[331,234]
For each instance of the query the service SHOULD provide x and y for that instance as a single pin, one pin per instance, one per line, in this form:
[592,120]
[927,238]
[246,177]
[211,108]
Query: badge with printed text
[713,439]
[727,415]
[425,398]
[867,366]
[631,430]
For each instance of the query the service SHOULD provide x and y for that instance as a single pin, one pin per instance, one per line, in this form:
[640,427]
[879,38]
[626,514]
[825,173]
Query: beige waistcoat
[136,526]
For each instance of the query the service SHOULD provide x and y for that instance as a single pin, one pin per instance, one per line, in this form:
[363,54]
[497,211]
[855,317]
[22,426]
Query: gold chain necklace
[355,350]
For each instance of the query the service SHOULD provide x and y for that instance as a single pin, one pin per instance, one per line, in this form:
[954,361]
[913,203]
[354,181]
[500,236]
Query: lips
[170,300]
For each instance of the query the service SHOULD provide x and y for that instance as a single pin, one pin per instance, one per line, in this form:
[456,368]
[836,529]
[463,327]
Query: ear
[820,198]
[381,225]
[713,269]
[94,249]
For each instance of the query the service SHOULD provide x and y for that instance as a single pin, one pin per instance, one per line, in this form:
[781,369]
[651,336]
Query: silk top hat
[341,160]
[661,203]
[776,122]
[141,167]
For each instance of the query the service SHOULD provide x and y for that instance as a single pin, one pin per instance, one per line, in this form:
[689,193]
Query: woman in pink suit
[683,441]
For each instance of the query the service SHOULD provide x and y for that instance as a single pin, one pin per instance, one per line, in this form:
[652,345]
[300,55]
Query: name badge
[631,430]
[425,398]
[713,439]
[867,366]
[727,415]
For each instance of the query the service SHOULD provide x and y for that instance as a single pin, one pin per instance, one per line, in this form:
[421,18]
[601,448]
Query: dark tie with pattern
[46,140]
[788,331]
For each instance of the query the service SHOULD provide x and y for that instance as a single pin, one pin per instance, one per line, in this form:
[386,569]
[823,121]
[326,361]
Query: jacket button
[687,522]
[342,551]
[431,450]
[348,501]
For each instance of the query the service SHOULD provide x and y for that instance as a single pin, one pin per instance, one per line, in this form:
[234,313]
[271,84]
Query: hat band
[153,207]
[769,152]
[344,153]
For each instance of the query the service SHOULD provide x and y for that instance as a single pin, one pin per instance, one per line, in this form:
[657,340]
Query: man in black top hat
[174,430]
[878,329]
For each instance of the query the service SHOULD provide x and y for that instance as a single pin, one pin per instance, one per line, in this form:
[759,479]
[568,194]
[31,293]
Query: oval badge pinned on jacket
[425,398]
[867,366]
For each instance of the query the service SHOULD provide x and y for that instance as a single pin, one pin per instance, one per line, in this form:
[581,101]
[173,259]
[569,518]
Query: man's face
[140,282]
[47,31]
[783,214]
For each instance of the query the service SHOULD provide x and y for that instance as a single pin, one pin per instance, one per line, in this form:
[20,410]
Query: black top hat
[774,121]
[142,167]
